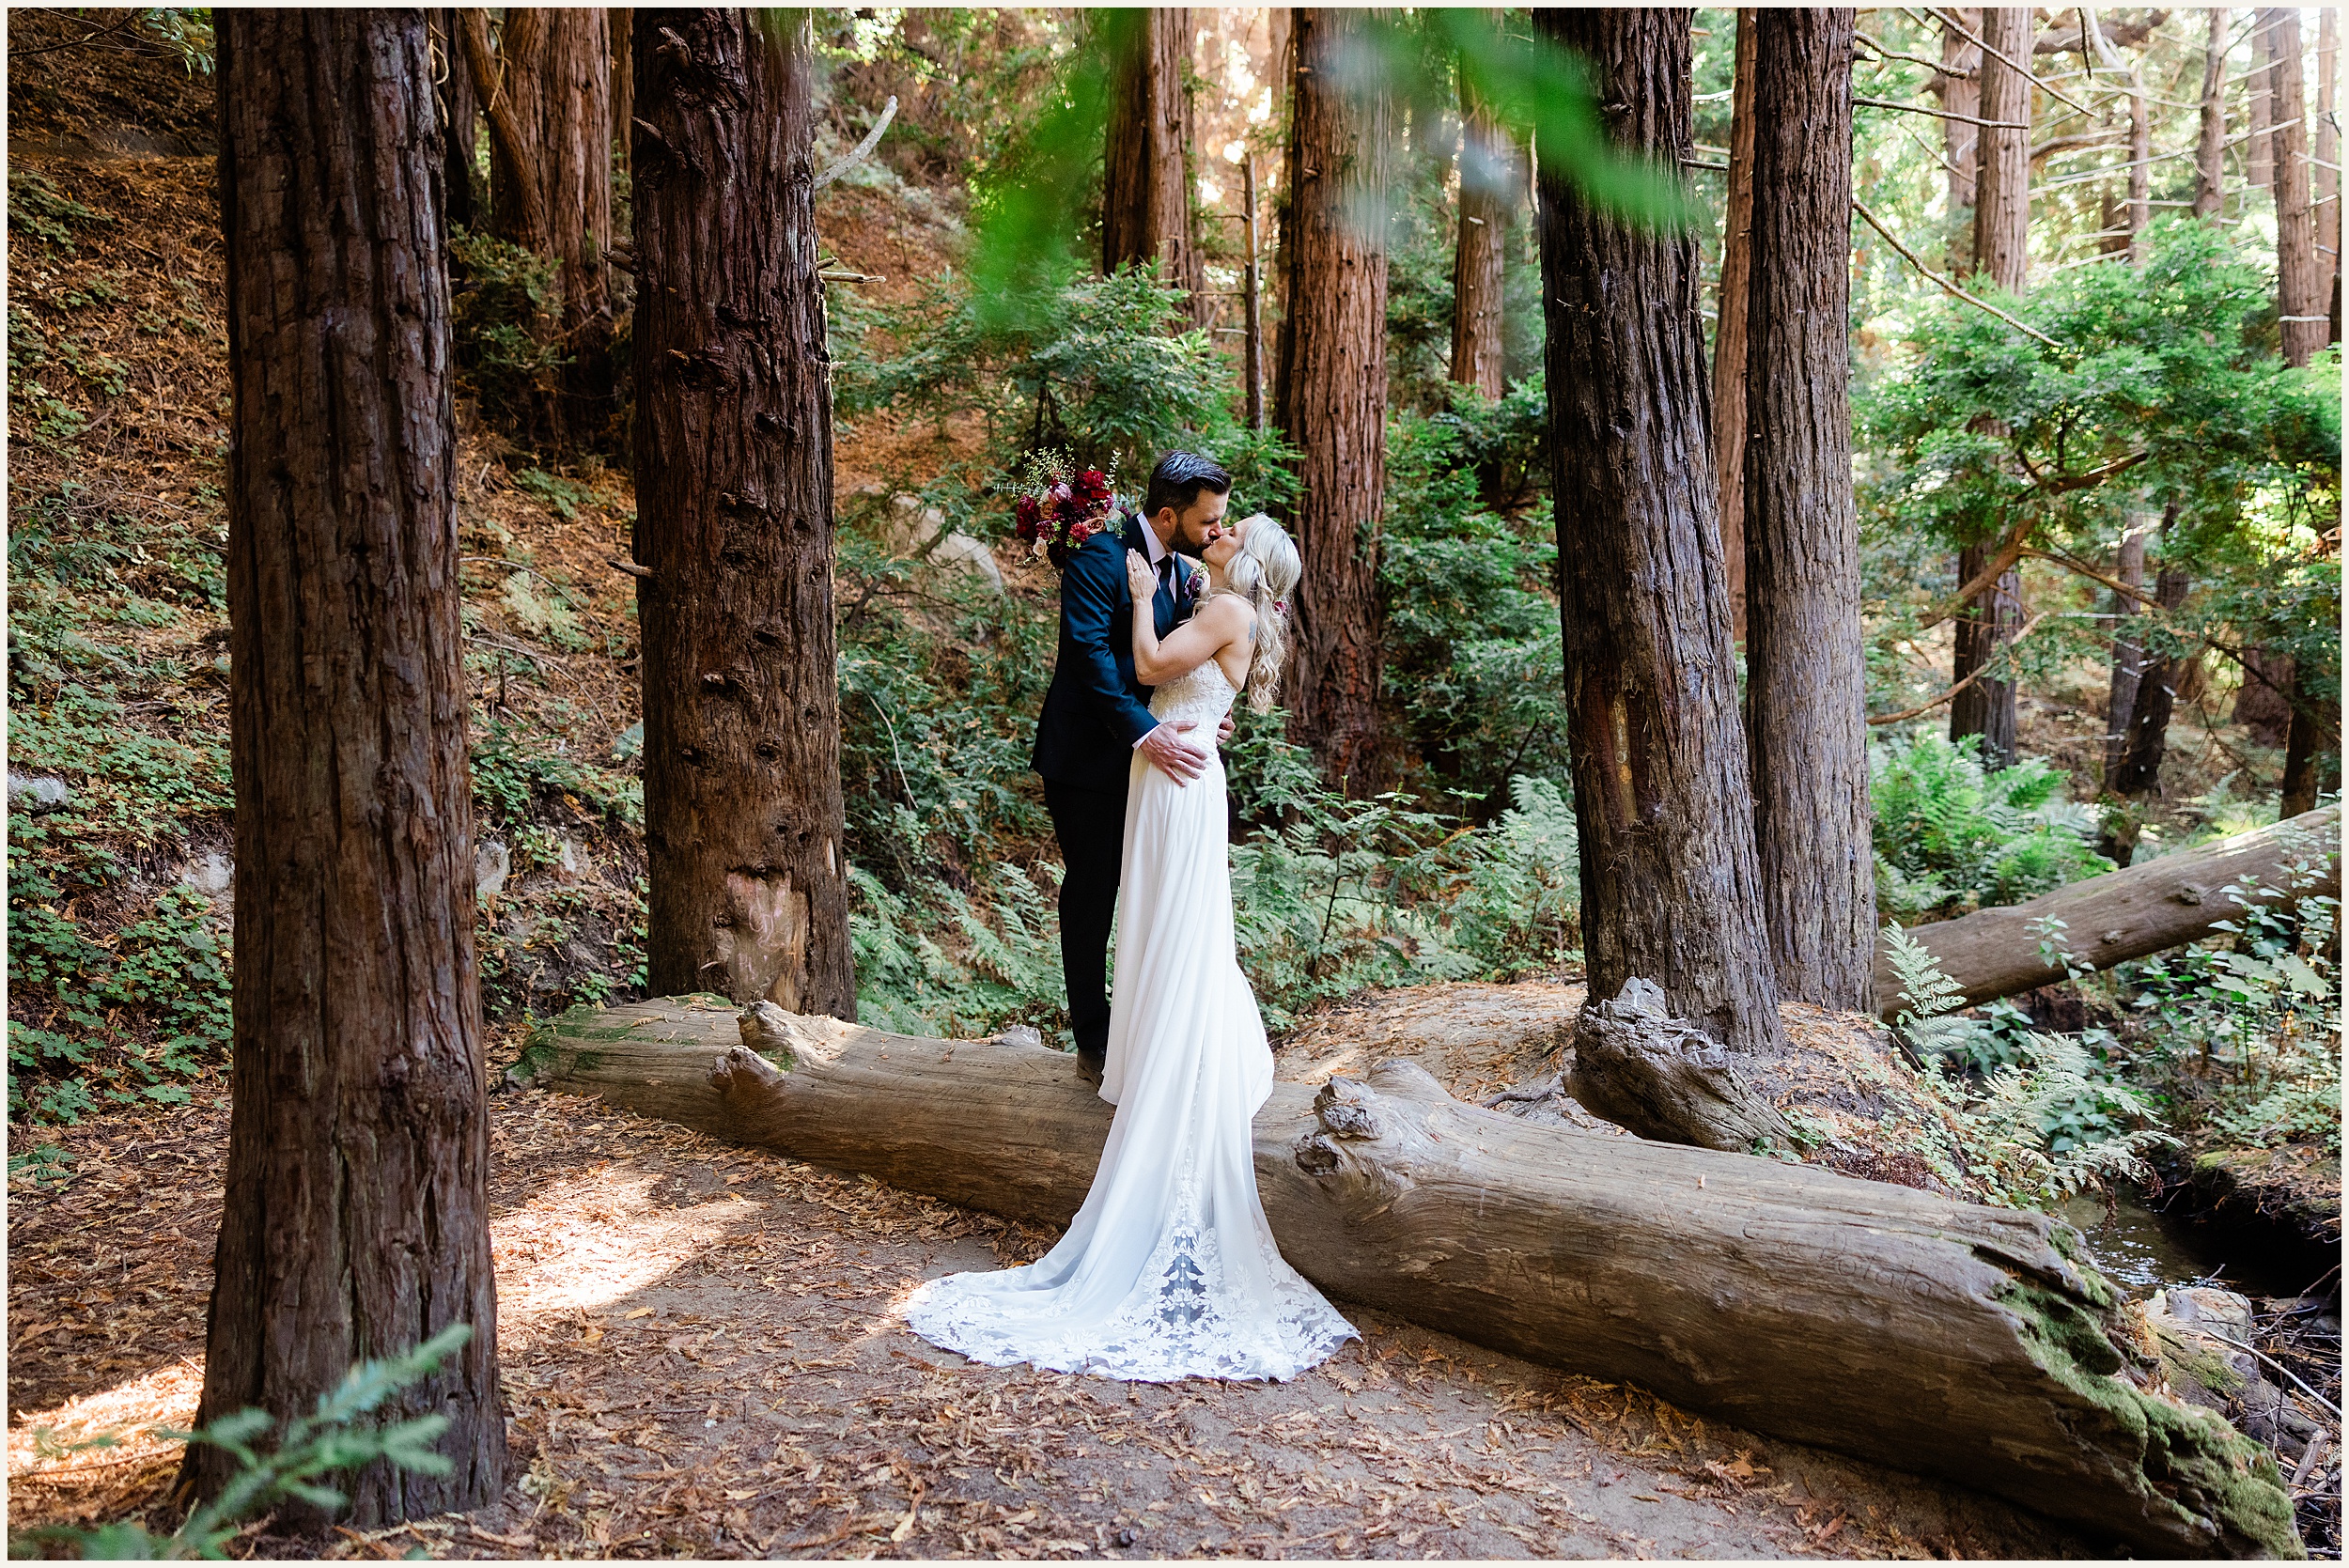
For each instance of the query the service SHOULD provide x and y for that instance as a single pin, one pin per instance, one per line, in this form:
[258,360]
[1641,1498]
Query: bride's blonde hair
[1264,573]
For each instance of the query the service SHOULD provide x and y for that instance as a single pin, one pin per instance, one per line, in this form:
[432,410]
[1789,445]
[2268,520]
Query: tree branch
[1960,73]
[2010,552]
[1945,285]
[1949,20]
[1941,113]
[1952,693]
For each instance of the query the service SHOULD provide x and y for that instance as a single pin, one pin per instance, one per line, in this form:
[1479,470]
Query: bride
[1169,1269]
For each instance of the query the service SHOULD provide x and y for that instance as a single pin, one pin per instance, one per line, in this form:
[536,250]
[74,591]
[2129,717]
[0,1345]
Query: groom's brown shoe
[1090,1065]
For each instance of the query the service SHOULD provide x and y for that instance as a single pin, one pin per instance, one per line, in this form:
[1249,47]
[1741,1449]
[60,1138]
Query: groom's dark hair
[1178,479]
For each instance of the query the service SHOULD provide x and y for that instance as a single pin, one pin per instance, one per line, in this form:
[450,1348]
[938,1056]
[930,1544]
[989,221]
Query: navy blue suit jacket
[1097,711]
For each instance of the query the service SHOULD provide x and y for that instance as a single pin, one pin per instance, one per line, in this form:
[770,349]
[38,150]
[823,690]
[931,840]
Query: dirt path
[703,1357]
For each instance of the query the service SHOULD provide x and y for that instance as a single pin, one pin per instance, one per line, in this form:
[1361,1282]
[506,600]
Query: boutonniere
[1196,581]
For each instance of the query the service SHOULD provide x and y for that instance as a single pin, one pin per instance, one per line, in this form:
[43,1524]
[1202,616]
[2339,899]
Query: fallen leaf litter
[701,1357]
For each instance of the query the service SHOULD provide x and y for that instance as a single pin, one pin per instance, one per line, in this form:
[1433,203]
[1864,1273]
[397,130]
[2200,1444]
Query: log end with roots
[1664,1078]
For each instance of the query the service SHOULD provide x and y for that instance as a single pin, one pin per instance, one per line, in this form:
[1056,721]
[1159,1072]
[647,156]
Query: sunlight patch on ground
[592,1240]
[130,1411]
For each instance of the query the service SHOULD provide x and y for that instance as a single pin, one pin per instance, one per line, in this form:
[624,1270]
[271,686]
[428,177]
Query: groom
[1097,717]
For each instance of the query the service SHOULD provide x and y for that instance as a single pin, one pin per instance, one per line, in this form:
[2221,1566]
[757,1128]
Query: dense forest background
[2144,345]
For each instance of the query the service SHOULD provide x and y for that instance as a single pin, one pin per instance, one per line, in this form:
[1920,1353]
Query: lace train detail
[1187,1318]
[1169,1271]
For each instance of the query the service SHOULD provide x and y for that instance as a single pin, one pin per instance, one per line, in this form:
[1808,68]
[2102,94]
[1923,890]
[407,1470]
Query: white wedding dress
[1169,1269]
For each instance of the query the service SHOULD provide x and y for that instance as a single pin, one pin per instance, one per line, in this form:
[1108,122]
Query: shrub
[2044,1121]
[1952,836]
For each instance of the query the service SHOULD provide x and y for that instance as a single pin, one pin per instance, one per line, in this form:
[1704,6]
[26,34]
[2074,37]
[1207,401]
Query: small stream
[2135,1244]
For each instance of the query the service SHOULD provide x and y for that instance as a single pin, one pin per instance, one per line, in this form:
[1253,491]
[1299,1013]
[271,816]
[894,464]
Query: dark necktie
[1166,573]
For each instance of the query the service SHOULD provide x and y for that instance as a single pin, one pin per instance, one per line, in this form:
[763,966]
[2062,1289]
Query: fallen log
[2128,914]
[1874,1319]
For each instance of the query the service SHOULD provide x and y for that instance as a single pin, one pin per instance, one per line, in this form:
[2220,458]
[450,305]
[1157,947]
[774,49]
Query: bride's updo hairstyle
[1264,573]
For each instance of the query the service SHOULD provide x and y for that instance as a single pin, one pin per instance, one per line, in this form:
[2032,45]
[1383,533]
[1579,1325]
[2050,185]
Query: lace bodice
[1203,695]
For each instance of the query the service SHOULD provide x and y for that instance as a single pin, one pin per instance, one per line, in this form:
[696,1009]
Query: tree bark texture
[2139,773]
[1729,329]
[2260,106]
[1664,804]
[619,34]
[2263,704]
[2126,914]
[1964,1341]
[2210,149]
[459,113]
[2329,166]
[2002,209]
[1806,661]
[1146,191]
[1332,396]
[1488,191]
[2302,286]
[1958,84]
[2001,251]
[1984,628]
[2314,697]
[551,177]
[1637,1066]
[2129,650]
[356,1219]
[2141,211]
[743,807]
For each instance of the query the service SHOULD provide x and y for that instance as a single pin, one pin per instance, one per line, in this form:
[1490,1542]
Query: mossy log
[1878,1320]
[2128,914]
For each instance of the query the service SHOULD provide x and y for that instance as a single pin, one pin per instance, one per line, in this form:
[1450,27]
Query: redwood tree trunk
[1488,190]
[2260,103]
[2313,697]
[619,28]
[1664,806]
[2128,651]
[2328,167]
[1728,331]
[356,1220]
[2263,705]
[2210,151]
[2301,284]
[459,117]
[1806,675]
[1332,396]
[2002,239]
[551,177]
[1984,628]
[1958,84]
[1145,193]
[2139,773]
[2003,208]
[733,508]
[2140,167]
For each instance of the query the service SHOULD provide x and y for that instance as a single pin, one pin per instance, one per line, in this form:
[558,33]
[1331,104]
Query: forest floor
[703,1354]
[700,1346]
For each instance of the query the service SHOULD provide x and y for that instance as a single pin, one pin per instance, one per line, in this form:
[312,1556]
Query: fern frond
[1926,992]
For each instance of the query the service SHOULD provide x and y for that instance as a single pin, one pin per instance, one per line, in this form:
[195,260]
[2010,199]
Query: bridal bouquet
[1062,509]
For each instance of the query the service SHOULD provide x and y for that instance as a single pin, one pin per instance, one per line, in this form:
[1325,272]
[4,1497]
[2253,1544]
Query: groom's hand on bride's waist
[1177,758]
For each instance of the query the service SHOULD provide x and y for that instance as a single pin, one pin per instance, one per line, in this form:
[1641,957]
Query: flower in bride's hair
[1281,606]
